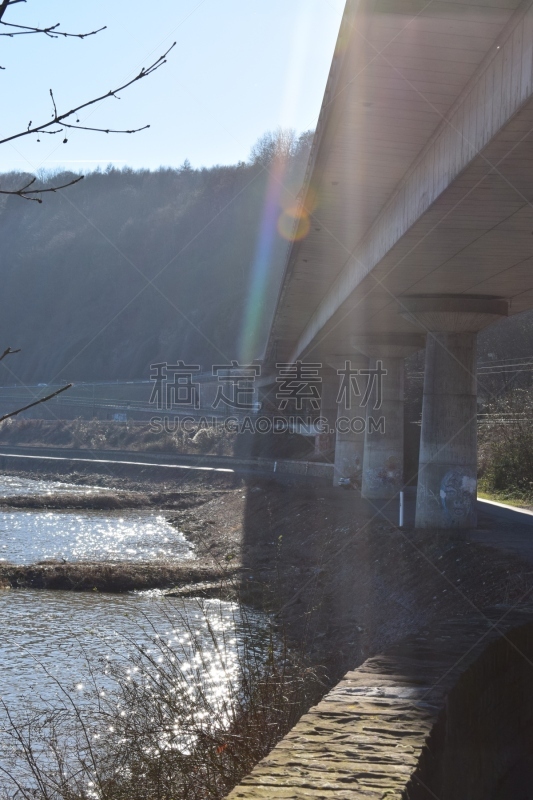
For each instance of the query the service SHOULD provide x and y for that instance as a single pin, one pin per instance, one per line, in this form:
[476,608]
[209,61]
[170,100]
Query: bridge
[415,229]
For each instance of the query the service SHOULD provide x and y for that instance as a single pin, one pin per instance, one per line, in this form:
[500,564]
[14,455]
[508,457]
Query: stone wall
[482,744]
[445,714]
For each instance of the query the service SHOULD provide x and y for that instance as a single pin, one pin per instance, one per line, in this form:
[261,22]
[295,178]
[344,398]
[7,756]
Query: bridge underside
[419,202]
[475,239]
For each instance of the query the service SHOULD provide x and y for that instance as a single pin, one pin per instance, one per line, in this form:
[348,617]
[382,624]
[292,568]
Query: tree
[279,144]
[63,120]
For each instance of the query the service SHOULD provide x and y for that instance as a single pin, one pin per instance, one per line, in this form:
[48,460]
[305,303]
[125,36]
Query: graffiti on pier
[458,495]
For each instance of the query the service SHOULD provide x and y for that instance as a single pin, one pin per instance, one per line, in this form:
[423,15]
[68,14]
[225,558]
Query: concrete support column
[325,441]
[349,437]
[383,460]
[382,476]
[447,477]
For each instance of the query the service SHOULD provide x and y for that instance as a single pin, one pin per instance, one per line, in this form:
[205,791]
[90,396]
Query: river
[48,638]
[30,536]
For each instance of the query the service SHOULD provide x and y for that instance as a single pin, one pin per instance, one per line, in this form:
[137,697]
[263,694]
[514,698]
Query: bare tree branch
[100,130]
[4,5]
[57,118]
[60,119]
[36,403]
[51,31]
[25,193]
[84,127]
[7,352]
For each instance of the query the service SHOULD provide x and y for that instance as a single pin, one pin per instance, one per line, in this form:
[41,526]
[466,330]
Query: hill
[129,268]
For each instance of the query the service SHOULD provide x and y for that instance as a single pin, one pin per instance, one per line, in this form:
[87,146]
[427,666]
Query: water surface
[14,485]
[70,652]
[48,639]
[30,536]
[50,635]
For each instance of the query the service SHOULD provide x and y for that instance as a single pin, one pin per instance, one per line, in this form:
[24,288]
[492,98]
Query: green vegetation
[506,449]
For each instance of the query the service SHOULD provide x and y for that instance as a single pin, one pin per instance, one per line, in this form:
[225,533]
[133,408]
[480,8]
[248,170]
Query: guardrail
[259,466]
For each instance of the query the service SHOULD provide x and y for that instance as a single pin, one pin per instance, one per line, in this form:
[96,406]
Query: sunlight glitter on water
[83,661]
[14,485]
[30,536]
[48,636]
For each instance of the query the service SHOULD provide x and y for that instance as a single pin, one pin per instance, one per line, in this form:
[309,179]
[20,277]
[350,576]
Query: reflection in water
[30,536]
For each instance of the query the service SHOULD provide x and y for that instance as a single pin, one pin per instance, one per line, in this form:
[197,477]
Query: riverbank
[109,500]
[343,581]
[340,581]
[94,434]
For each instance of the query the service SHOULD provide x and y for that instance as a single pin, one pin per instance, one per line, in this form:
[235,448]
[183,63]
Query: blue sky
[240,68]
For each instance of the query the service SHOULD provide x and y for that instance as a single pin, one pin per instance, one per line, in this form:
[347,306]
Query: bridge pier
[447,477]
[349,437]
[382,476]
[325,441]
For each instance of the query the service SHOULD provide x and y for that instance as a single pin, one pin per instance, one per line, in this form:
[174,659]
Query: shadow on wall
[481,747]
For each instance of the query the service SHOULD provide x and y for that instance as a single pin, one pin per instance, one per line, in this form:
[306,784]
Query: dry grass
[186,717]
[103,435]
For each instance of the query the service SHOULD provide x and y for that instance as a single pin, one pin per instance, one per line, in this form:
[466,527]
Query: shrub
[506,446]
[165,722]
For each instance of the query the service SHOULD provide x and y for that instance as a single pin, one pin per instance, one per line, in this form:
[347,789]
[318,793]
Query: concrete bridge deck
[420,179]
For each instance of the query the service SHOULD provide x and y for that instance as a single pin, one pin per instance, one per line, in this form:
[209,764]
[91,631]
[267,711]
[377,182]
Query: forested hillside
[129,268]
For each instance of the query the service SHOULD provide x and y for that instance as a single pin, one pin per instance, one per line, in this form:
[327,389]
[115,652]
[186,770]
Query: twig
[36,403]
[51,31]
[8,352]
[24,192]
[5,3]
[58,119]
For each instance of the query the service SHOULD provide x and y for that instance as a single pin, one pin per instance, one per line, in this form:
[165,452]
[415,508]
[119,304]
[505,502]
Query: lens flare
[280,197]
[263,261]
[294,224]
[310,202]
[288,200]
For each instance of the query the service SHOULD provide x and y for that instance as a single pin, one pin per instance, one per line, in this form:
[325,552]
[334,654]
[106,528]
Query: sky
[239,69]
